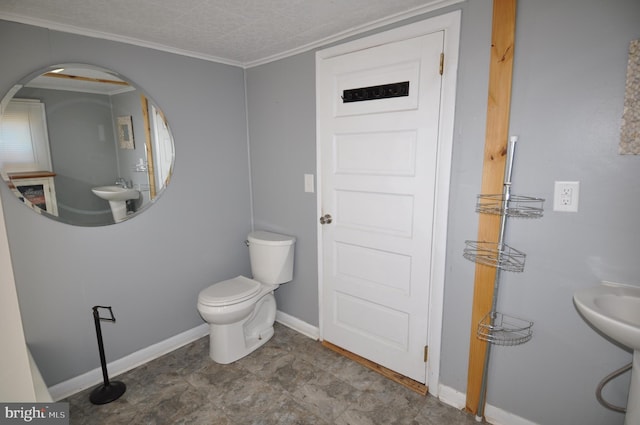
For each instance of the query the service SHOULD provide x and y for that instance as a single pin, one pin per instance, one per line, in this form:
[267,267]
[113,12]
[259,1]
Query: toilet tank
[271,257]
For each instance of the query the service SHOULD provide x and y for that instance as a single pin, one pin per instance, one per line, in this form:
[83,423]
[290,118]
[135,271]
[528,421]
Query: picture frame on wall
[125,132]
[630,128]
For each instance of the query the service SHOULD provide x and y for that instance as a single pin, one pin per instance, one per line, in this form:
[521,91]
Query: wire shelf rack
[497,328]
[514,206]
[501,329]
[494,254]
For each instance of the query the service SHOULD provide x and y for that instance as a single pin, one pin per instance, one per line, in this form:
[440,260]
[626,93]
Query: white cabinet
[36,189]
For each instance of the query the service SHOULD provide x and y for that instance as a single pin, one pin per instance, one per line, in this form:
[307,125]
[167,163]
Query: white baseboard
[124,364]
[492,414]
[451,397]
[298,325]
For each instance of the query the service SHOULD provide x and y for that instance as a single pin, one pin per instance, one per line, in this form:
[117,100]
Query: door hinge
[426,353]
[441,63]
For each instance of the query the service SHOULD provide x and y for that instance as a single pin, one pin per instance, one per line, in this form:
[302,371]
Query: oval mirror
[81,145]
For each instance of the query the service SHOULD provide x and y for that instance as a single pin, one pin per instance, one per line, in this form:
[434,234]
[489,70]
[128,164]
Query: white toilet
[241,311]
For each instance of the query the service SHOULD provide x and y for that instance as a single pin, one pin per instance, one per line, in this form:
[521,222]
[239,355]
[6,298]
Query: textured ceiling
[242,32]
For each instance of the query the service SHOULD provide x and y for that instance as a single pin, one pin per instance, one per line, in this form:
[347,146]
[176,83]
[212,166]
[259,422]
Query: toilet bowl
[241,311]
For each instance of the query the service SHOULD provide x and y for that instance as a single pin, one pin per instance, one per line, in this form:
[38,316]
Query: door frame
[450,24]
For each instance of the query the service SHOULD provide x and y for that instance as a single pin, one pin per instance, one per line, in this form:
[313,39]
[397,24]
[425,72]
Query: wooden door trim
[495,149]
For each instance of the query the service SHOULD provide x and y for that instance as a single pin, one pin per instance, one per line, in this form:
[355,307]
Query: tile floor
[290,380]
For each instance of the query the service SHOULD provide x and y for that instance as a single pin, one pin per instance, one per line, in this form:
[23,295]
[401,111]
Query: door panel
[389,213]
[389,273]
[389,327]
[388,153]
[378,166]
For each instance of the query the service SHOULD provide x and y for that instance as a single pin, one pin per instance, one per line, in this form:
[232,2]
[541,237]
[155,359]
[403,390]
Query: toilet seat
[229,292]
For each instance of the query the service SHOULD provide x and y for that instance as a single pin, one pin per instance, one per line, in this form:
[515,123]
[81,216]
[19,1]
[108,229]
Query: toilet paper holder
[109,390]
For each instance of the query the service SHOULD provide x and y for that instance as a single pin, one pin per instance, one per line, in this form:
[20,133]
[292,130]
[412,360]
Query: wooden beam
[495,149]
[149,146]
[88,79]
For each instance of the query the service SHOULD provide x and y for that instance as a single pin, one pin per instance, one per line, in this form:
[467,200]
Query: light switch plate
[308,183]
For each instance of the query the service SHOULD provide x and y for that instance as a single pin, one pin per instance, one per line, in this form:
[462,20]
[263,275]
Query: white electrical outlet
[565,196]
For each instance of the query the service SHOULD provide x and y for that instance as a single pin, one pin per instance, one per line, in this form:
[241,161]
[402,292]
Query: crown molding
[55,26]
[392,19]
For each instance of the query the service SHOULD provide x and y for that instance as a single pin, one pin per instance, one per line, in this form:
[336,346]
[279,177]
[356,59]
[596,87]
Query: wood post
[149,146]
[495,150]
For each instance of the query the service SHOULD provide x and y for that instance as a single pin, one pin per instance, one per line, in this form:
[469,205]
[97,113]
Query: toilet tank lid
[229,291]
[261,237]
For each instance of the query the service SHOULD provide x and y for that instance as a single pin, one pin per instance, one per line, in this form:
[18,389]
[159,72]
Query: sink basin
[117,197]
[115,193]
[613,309]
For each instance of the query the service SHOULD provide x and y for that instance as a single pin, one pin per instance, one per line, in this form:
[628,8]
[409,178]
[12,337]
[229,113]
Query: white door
[378,160]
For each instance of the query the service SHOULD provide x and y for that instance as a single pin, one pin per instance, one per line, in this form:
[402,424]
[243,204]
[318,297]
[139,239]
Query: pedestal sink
[117,197]
[614,309]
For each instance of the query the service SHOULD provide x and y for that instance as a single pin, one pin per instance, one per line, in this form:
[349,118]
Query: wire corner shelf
[501,329]
[511,206]
[499,255]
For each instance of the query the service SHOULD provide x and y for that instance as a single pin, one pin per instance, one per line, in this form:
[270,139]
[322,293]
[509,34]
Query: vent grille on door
[384,91]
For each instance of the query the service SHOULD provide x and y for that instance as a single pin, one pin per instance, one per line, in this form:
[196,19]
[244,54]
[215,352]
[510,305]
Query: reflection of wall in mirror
[128,104]
[82,144]
[84,148]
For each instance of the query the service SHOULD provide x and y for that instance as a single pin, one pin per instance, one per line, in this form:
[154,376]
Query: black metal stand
[109,391]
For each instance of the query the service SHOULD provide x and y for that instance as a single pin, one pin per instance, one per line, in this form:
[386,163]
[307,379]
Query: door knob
[326,219]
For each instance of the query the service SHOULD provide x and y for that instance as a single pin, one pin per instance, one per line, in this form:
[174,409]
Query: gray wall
[281,108]
[569,75]
[568,93]
[149,268]
[567,102]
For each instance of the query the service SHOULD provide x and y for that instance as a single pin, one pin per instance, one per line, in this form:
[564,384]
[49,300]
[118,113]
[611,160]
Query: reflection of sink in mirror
[115,193]
[614,309]
[117,197]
